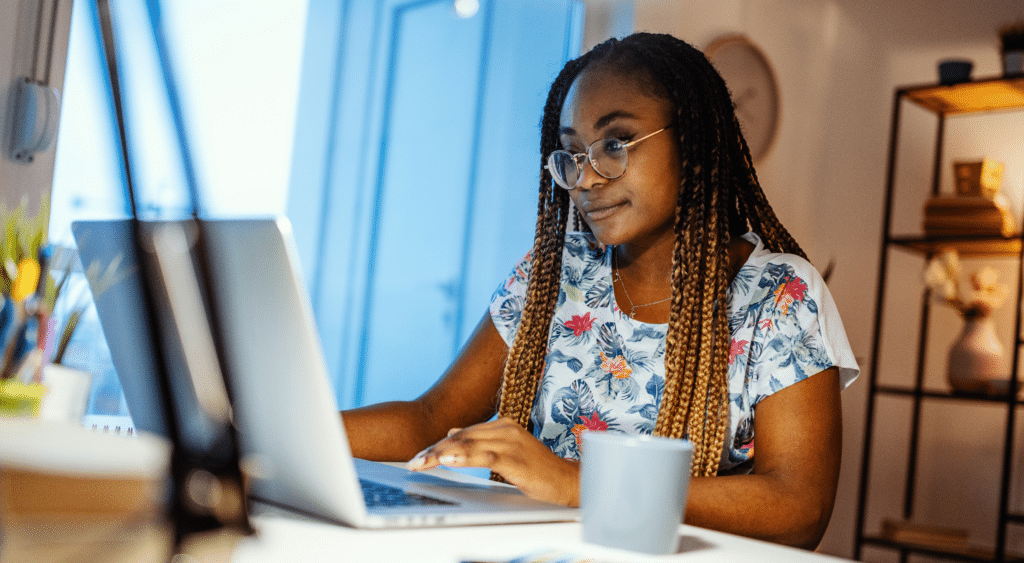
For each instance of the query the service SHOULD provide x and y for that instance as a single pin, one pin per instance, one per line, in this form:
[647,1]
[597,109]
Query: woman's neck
[642,281]
[648,268]
[649,265]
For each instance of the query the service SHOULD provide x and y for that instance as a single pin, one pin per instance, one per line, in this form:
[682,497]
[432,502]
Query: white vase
[976,357]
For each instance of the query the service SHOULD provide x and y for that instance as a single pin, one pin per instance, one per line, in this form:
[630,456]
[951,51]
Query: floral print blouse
[605,371]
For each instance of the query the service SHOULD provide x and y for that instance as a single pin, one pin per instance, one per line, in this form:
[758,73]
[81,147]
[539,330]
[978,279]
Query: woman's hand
[510,451]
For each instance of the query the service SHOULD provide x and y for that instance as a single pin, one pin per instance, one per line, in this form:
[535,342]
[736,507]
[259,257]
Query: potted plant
[1011,40]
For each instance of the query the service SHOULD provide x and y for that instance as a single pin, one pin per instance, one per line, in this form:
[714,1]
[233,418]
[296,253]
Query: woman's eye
[613,145]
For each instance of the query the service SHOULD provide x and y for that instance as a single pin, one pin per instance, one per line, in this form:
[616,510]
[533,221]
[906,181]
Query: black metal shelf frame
[976,246]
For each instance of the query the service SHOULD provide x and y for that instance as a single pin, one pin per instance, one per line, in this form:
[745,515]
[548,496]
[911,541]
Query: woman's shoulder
[767,276]
[763,262]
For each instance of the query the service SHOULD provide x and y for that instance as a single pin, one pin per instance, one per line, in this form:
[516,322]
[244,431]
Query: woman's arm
[466,394]
[788,499]
[789,496]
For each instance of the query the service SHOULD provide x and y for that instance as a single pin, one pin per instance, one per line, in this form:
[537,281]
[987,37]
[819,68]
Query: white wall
[17,37]
[838,63]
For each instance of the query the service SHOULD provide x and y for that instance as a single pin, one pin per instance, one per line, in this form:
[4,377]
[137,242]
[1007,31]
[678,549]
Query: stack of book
[968,215]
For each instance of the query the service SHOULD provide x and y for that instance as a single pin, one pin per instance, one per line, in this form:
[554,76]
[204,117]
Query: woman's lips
[599,212]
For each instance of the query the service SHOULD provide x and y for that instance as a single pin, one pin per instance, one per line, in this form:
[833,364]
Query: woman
[620,328]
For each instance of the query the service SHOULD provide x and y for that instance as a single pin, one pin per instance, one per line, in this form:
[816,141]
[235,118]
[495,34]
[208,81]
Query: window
[361,120]
[224,52]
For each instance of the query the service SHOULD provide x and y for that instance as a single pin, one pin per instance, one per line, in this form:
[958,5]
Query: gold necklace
[632,307]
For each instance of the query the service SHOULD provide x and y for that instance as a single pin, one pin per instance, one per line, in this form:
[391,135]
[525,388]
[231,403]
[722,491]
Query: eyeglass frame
[576,158]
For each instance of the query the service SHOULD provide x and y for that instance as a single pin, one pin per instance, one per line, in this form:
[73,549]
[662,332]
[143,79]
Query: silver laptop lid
[284,408]
[284,405]
[297,449]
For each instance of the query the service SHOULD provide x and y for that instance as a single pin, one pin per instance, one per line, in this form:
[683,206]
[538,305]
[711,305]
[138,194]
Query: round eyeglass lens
[609,158]
[564,169]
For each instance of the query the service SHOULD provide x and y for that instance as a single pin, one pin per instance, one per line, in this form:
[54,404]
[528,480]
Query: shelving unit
[991,95]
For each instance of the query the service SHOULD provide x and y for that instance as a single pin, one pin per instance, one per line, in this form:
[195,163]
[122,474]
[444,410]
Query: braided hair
[719,198]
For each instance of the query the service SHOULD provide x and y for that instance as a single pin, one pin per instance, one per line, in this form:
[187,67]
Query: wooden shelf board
[982,95]
[932,394]
[964,245]
[969,553]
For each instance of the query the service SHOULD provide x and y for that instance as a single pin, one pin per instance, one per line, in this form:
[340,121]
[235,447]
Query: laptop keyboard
[377,494]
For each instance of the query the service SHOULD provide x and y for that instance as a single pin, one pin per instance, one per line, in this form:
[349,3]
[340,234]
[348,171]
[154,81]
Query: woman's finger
[477,446]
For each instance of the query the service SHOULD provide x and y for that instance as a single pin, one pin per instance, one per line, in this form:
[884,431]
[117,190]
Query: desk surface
[50,515]
[282,536]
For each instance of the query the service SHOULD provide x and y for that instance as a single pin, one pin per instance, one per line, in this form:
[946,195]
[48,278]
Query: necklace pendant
[632,308]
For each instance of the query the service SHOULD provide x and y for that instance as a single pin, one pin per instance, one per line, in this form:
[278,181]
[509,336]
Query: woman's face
[639,206]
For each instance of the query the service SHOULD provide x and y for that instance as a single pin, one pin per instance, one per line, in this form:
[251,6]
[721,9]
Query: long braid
[719,198]
[702,385]
[718,387]
[528,351]
[715,348]
[684,329]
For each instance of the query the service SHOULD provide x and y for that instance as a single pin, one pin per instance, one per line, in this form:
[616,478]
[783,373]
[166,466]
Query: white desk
[282,536]
[99,507]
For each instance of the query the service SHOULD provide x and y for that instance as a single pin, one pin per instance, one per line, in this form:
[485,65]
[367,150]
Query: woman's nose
[589,178]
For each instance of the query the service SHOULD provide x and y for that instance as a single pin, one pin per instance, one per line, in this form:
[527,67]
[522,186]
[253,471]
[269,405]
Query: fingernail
[448,459]
[416,462]
[453,431]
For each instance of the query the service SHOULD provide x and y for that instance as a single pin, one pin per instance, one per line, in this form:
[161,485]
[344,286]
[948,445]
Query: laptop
[283,404]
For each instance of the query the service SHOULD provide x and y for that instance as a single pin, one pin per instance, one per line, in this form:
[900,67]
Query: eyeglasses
[607,157]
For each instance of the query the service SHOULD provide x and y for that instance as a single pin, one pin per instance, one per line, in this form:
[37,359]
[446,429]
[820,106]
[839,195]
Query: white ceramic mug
[633,490]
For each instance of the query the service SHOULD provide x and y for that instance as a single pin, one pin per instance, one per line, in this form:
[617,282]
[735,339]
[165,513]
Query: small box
[978,178]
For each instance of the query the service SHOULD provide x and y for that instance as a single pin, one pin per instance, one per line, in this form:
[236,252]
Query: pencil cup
[633,490]
[67,393]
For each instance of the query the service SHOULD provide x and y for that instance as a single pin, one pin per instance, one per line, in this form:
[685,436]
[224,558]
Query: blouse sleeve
[801,334]
[508,300]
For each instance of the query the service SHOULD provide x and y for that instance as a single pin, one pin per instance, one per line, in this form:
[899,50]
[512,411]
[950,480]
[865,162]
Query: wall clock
[751,81]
